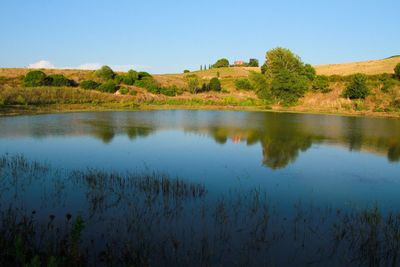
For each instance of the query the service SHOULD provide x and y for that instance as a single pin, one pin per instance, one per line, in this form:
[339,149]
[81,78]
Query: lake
[234,163]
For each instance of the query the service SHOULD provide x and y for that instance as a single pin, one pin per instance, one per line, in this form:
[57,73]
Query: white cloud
[42,64]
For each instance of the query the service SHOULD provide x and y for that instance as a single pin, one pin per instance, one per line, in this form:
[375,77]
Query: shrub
[221,63]
[215,85]
[89,85]
[105,73]
[193,83]
[36,78]
[169,91]
[357,87]
[387,84]
[397,71]
[143,74]
[243,84]
[149,84]
[260,85]
[130,77]
[2,101]
[108,87]
[59,80]
[133,92]
[321,84]
[186,71]
[123,91]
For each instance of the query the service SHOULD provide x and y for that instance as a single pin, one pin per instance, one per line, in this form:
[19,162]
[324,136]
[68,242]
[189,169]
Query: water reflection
[282,136]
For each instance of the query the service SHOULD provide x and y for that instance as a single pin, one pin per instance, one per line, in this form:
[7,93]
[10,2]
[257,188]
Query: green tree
[253,62]
[287,75]
[397,71]
[215,84]
[105,73]
[287,87]
[201,67]
[130,77]
[221,63]
[282,59]
[243,84]
[357,87]
[36,78]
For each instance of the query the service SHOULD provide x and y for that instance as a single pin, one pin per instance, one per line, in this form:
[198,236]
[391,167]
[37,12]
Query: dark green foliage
[186,71]
[253,62]
[205,87]
[243,84]
[118,79]
[357,87]
[264,68]
[309,72]
[59,80]
[321,84]
[105,73]
[108,87]
[260,85]
[130,77]
[169,91]
[89,85]
[143,74]
[36,78]
[221,63]
[397,71]
[149,84]
[215,85]
[287,87]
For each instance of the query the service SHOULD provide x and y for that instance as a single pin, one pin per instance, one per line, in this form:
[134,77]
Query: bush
[36,78]
[108,87]
[243,84]
[193,83]
[260,85]
[130,77]
[89,85]
[387,84]
[143,74]
[59,80]
[186,71]
[149,84]
[118,79]
[105,73]
[215,85]
[169,91]
[221,63]
[397,71]
[321,84]
[357,87]
[123,91]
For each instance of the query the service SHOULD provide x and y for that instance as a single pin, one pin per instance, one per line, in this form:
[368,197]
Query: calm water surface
[273,183]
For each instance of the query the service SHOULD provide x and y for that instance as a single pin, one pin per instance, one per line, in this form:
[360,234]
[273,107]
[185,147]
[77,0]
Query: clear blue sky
[167,36]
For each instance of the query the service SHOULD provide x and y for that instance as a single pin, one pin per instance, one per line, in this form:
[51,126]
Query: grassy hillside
[377,103]
[369,67]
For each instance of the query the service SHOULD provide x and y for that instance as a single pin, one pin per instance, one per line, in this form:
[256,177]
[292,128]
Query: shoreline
[73,108]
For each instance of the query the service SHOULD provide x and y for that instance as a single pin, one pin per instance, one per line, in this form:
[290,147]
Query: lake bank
[65,108]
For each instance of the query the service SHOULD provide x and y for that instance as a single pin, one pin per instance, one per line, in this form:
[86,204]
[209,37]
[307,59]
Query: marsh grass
[155,220]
